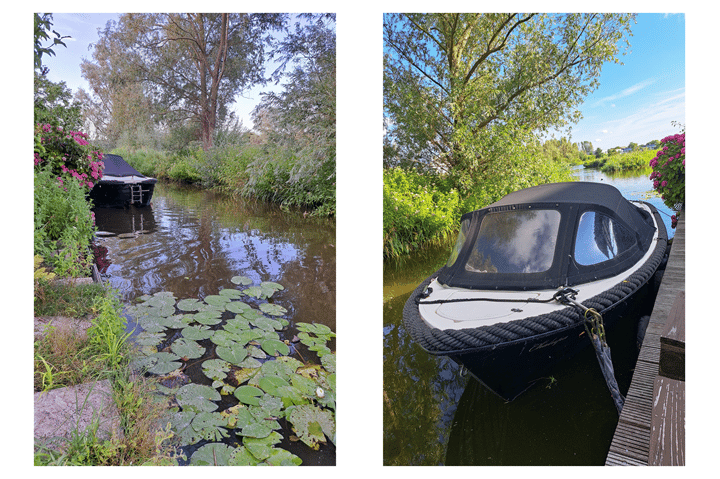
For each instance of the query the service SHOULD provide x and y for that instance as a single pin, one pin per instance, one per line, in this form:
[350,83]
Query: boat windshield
[600,238]
[515,242]
[464,226]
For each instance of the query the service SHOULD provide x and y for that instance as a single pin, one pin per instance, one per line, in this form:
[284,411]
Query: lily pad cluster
[245,359]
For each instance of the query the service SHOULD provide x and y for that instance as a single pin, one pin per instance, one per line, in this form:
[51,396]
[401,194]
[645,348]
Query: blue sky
[637,101]
[83,30]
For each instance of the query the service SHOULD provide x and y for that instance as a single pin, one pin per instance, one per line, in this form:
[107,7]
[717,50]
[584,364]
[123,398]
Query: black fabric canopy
[633,227]
[115,165]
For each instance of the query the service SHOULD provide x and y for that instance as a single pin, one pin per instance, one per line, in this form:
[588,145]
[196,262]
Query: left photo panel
[184,239]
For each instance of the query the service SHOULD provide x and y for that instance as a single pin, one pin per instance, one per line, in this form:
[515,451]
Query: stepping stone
[60,412]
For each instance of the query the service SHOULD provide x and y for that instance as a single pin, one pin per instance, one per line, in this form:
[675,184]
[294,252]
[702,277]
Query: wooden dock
[651,427]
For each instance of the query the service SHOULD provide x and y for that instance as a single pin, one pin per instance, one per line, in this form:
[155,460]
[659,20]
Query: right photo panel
[533,239]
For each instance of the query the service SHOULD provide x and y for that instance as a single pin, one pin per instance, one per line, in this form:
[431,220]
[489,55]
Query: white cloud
[626,92]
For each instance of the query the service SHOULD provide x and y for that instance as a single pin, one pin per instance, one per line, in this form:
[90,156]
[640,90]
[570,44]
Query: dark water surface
[433,415]
[192,242]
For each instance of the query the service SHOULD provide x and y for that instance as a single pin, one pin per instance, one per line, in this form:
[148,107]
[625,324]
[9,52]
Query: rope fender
[441,342]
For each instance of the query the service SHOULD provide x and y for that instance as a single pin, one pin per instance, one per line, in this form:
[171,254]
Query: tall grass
[304,179]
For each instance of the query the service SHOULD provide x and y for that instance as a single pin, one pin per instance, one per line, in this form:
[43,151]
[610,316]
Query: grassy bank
[293,179]
[71,355]
[634,160]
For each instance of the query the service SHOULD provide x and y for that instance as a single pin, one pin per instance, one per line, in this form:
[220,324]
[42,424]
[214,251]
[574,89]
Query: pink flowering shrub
[669,170]
[69,154]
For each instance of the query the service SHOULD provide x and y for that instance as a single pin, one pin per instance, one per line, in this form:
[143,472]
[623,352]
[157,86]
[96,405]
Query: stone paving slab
[60,412]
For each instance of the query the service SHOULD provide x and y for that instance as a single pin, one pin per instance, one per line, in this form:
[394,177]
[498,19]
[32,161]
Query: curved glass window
[459,243]
[600,238]
[515,242]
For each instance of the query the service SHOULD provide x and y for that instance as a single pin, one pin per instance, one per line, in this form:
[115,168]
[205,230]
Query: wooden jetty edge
[651,427]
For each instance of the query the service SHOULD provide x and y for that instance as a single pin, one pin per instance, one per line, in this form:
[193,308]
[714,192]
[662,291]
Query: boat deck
[651,427]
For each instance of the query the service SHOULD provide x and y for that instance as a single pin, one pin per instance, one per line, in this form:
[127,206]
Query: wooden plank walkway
[645,436]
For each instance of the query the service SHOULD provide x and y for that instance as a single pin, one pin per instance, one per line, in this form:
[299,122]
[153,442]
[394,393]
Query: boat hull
[509,369]
[111,194]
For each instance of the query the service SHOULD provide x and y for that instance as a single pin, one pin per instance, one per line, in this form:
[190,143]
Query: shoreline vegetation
[421,210]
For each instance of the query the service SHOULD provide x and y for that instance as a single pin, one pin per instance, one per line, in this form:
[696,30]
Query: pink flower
[663,184]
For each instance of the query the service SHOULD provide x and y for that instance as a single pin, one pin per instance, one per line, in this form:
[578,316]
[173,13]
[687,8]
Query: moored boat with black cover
[121,185]
[509,303]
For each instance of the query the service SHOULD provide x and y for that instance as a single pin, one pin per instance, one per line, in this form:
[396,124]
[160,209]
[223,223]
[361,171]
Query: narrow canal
[192,243]
[433,415]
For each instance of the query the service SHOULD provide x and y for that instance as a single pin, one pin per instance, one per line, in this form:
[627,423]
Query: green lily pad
[146,338]
[224,338]
[269,288]
[328,362]
[152,323]
[198,397]
[316,329]
[244,374]
[231,293]
[249,395]
[290,396]
[320,349]
[312,424]
[236,325]
[256,429]
[269,384]
[275,347]
[242,457]
[163,363]
[217,300]
[243,280]
[209,318]
[190,304]
[246,336]
[237,307]
[234,353]
[187,348]
[212,454]
[261,448]
[272,309]
[266,324]
[282,457]
[197,333]
[215,368]
[161,300]
[175,321]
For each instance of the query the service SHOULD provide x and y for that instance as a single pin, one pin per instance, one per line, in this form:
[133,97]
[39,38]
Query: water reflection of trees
[420,392]
[202,239]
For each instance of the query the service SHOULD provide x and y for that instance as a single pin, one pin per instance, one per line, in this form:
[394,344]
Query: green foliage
[43,25]
[633,160]
[466,92]
[415,212]
[64,224]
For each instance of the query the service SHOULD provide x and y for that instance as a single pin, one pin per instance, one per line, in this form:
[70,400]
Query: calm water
[193,242]
[435,416]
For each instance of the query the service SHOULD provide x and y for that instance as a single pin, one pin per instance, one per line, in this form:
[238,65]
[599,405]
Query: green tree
[299,121]
[53,102]
[191,66]
[462,92]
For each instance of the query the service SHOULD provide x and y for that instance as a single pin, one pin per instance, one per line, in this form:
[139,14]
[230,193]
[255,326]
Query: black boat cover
[549,236]
[115,165]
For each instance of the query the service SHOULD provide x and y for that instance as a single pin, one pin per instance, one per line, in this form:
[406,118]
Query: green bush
[415,212]
[184,170]
[64,223]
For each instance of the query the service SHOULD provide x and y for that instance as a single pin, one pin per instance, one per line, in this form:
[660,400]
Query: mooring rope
[595,330]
